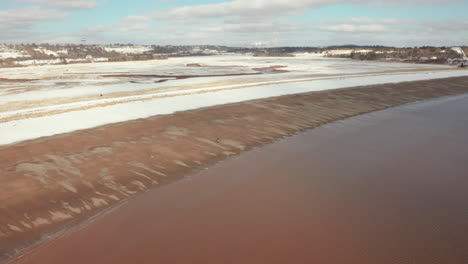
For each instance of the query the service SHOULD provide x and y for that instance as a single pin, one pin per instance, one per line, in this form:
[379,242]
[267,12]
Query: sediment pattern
[53,182]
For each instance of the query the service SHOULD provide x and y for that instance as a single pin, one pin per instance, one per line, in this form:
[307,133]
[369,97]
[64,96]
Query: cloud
[267,26]
[362,20]
[243,8]
[448,26]
[392,32]
[360,25]
[23,18]
[17,23]
[265,8]
[410,3]
[133,24]
[64,4]
[350,28]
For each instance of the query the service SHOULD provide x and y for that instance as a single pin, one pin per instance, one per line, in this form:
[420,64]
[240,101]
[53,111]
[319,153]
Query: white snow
[62,51]
[293,85]
[7,53]
[308,74]
[101,59]
[47,52]
[346,51]
[129,49]
[37,62]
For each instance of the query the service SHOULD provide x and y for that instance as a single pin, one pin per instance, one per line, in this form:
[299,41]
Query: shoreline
[282,116]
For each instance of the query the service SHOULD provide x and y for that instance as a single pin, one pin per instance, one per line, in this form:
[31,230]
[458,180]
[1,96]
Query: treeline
[426,54]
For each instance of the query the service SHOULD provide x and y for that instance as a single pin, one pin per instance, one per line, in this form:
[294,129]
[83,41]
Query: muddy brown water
[384,187]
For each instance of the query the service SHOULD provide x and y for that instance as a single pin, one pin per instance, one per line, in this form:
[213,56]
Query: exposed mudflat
[52,183]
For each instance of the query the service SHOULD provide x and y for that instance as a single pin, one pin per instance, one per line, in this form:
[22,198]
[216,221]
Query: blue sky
[237,22]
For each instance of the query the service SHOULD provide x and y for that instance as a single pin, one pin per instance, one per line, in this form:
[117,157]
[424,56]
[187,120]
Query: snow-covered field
[7,53]
[129,49]
[66,98]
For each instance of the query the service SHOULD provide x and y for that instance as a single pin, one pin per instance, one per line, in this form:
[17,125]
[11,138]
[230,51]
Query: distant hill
[38,54]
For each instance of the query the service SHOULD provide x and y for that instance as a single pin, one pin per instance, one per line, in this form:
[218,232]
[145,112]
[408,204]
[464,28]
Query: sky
[245,23]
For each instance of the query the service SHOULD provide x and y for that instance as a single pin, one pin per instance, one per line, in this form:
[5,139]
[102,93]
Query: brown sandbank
[52,183]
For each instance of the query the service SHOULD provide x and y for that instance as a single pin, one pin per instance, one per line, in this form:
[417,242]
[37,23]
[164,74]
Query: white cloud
[266,26]
[410,2]
[350,28]
[243,8]
[392,32]
[264,8]
[362,20]
[133,24]
[64,4]
[361,25]
[449,26]
[16,24]
[28,16]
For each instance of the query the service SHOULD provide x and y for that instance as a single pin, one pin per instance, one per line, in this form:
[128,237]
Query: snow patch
[128,49]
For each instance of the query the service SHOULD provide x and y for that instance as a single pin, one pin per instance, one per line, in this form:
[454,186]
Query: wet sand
[52,184]
[385,187]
